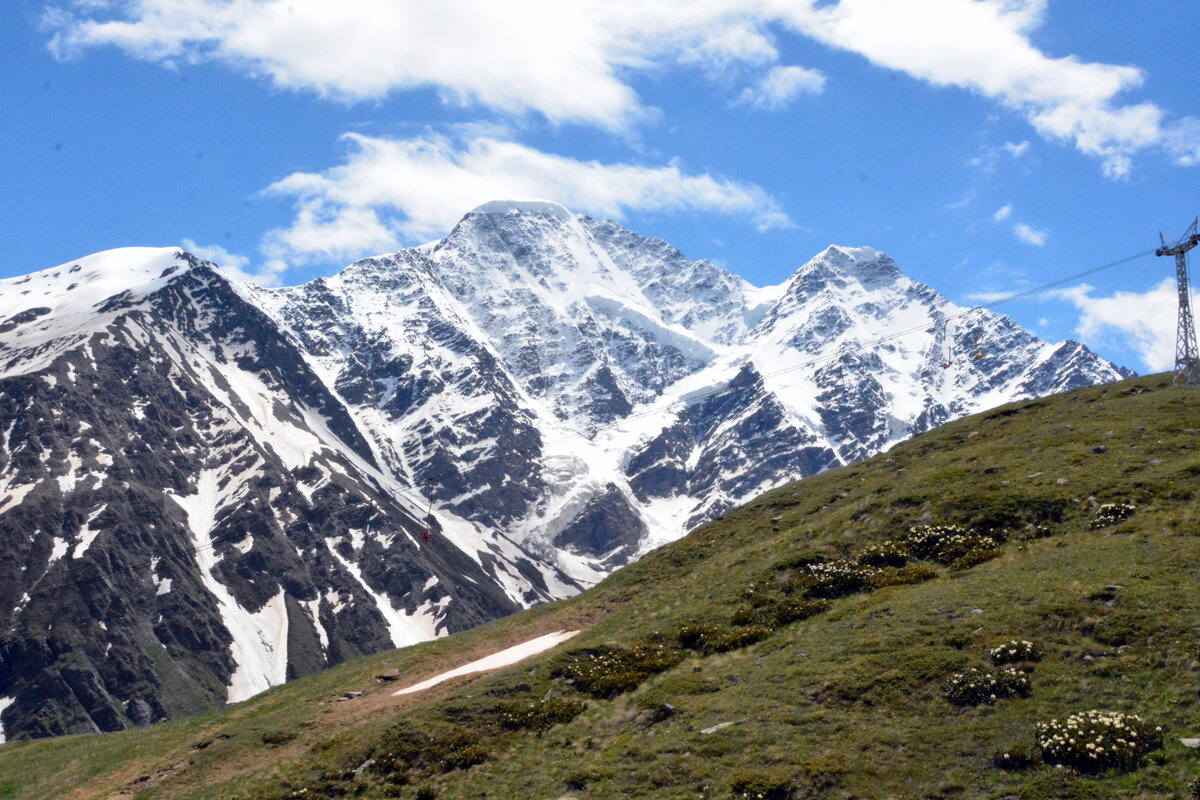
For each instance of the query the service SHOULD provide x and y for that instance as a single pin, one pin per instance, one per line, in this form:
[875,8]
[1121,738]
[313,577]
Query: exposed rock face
[207,488]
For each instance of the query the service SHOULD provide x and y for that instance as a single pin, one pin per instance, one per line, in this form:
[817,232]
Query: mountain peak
[77,285]
[862,264]
[545,207]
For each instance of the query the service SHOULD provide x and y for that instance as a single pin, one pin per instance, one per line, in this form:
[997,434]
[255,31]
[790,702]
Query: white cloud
[1016,150]
[1002,213]
[574,61]
[1143,322]
[1183,141]
[780,86]
[1028,235]
[392,191]
[235,265]
[984,46]
[567,61]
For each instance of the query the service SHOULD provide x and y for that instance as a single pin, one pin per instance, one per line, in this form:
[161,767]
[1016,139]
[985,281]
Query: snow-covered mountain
[207,488]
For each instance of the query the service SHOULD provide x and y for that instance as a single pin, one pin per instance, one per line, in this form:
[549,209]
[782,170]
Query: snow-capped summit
[211,487]
[544,207]
[79,284]
[858,264]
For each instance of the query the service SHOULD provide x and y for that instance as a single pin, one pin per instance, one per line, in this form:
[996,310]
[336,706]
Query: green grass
[834,689]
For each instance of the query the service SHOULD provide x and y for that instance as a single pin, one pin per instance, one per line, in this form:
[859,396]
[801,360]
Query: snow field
[502,658]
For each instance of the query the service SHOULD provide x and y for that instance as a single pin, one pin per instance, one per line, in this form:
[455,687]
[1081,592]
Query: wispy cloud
[394,191]
[780,86]
[574,61]
[1002,213]
[1016,150]
[1028,235]
[235,265]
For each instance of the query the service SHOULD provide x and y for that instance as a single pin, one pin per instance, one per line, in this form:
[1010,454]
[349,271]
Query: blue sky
[987,145]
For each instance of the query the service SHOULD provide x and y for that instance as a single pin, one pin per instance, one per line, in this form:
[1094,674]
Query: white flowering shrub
[973,687]
[924,541]
[607,671]
[1112,513]
[885,554]
[1015,651]
[838,578]
[538,715]
[1093,741]
[963,546]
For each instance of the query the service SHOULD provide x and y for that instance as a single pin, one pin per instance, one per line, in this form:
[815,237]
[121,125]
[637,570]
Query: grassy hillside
[802,646]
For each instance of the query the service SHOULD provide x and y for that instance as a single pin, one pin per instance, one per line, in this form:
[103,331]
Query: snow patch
[314,613]
[496,660]
[5,702]
[402,628]
[86,534]
[259,647]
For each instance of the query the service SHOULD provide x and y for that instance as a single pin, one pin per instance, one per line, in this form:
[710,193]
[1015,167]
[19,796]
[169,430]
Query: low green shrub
[791,610]
[1015,758]
[1093,741]
[708,639]
[957,547]
[778,613]
[539,715]
[278,737]
[1032,532]
[758,595]
[974,686]
[1110,514]
[885,554]
[1015,651]
[405,753]
[767,785]
[903,576]
[973,558]
[607,671]
[464,757]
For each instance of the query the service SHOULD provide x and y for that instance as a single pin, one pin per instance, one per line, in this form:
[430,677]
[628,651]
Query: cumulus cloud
[1143,322]
[394,191]
[780,86]
[574,61]
[235,265]
[1002,213]
[1028,235]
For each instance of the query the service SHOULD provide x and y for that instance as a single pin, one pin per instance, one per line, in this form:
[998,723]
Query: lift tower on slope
[1187,360]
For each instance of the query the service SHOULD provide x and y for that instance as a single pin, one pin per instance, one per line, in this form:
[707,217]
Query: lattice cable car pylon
[1187,358]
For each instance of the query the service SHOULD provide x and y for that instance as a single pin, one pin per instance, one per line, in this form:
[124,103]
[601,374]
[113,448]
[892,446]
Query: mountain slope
[207,488]
[848,701]
[188,509]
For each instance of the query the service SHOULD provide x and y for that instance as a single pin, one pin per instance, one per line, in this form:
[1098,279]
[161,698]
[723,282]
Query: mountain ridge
[426,441]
